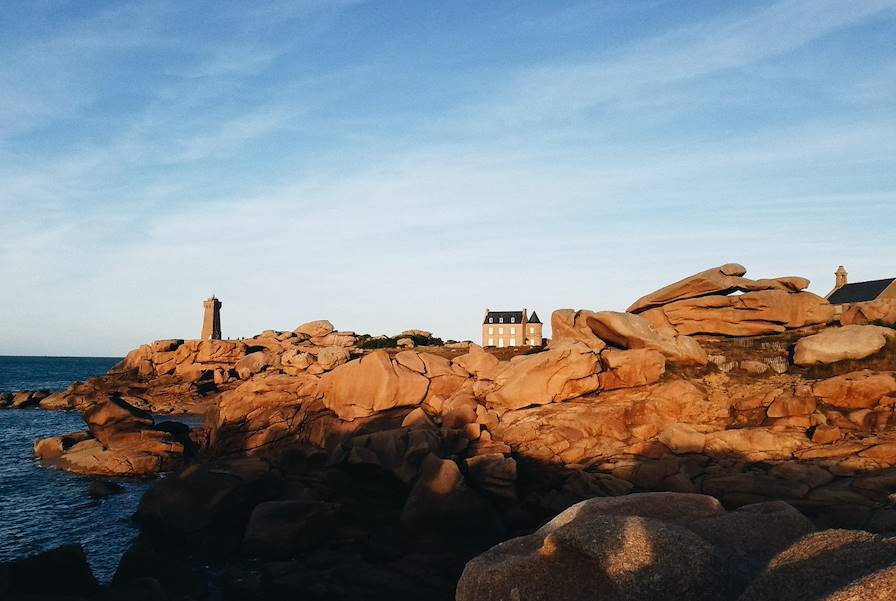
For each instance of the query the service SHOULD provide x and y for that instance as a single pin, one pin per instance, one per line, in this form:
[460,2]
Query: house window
[531,330]
[500,330]
[500,342]
[491,342]
[513,320]
[491,330]
[500,320]
[513,330]
[491,320]
[513,342]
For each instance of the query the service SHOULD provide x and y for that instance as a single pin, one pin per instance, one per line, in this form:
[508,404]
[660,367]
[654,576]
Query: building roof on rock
[533,318]
[507,316]
[858,292]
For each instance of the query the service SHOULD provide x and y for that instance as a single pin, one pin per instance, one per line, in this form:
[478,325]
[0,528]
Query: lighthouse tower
[211,322]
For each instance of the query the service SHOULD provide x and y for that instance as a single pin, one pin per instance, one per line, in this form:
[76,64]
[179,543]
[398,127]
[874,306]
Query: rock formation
[121,440]
[757,399]
[651,546]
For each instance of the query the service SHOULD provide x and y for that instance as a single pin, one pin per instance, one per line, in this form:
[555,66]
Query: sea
[42,508]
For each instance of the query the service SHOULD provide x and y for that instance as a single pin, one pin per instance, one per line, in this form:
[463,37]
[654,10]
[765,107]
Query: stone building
[211,321]
[511,328]
[859,292]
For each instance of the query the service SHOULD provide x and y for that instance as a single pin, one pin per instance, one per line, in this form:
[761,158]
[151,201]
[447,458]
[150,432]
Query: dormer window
[513,320]
[500,320]
[491,320]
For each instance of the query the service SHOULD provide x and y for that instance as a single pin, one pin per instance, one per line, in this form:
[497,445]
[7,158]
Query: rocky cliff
[319,454]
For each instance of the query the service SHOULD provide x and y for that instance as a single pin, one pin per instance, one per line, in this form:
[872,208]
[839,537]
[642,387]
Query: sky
[395,165]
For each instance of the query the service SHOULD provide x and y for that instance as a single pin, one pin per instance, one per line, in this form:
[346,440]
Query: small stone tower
[211,322]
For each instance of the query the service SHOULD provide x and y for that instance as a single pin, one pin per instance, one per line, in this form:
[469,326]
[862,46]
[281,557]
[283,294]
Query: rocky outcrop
[750,314]
[556,375]
[703,304]
[370,384]
[833,565]
[61,573]
[649,546]
[880,312]
[570,326]
[121,441]
[721,280]
[188,376]
[840,344]
[633,332]
[23,399]
[371,455]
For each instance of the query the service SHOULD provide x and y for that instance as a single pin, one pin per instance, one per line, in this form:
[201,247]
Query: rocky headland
[724,438]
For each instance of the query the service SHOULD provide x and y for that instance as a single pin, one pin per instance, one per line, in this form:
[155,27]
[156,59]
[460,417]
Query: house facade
[511,328]
[859,292]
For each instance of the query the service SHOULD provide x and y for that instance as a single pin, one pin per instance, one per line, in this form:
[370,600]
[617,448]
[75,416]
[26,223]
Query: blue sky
[389,165]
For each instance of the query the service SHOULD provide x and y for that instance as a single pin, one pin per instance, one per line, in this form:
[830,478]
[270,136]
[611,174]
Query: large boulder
[263,413]
[750,314]
[314,329]
[281,529]
[440,501]
[855,390]
[115,415]
[332,356]
[551,376]
[126,453]
[621,548]
[634,332]
[721,280]
[755,444]
[636,367]
[881,312]
[569,325]
[214,498]
[220,351]
[151,561]
[252,364]
[839,344]
[478,362]
[371,384]
[751,535]
[445,378]
[61,573]
[830,565]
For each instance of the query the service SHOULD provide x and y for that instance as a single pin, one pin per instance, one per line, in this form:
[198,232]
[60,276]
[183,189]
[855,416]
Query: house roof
[859,291]
[534,318]
[497,316]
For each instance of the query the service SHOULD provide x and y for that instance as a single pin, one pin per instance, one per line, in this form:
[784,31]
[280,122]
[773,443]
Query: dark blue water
[55,373]
[42,508]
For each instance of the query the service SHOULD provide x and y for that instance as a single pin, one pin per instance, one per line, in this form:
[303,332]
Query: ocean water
[41,508]
[55,373]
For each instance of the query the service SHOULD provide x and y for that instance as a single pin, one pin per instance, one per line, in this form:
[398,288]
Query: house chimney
[525,315]
[841,278]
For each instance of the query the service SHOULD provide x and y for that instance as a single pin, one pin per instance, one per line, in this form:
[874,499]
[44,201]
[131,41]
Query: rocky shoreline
[697,446]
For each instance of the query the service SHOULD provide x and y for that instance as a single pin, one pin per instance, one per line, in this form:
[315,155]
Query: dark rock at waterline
[143,566]
[208,505]
[104,488]
[62,571]
[139,589]
[22,399]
